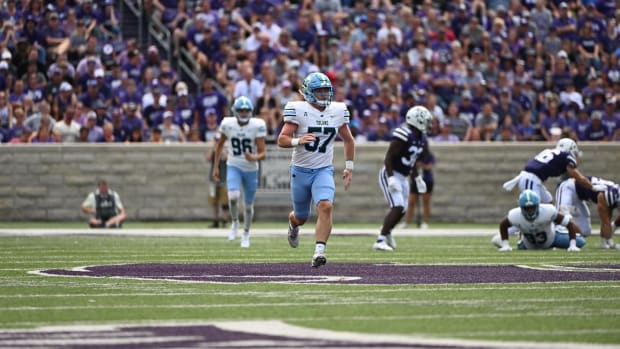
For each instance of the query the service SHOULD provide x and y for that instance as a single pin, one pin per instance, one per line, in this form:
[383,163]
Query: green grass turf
[583,312]
[205,224]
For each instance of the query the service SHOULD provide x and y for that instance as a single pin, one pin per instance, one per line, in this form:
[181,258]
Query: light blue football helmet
[529,203]
[242,103]
[313,82]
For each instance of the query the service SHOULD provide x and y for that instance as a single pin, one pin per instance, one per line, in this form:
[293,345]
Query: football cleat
[233,231]
[424,225]
[245,240]
[293,235]
[318,259]
[382,246]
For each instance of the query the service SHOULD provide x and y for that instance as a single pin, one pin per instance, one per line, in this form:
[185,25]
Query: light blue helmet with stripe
[315,81]
[242,103]
[529,203]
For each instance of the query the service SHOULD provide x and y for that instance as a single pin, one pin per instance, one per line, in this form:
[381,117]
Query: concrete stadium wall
[169,182]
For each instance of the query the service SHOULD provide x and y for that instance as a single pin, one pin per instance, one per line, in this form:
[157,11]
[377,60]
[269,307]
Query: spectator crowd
[494,70]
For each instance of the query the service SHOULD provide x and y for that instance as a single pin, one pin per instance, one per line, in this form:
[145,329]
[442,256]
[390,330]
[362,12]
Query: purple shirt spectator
[580,127]
[596,132]
[302,34]
[551,121]
[611,121]
[212,99]
[259,7]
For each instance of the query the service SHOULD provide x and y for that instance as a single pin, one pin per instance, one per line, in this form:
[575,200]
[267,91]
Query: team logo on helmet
[529,203]
[568,145]
[419,117]
[312,83]
[244,105]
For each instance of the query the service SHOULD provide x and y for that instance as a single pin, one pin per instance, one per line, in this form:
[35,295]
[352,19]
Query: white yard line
[224,232]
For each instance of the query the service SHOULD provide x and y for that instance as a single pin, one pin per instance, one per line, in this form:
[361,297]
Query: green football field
[568,311]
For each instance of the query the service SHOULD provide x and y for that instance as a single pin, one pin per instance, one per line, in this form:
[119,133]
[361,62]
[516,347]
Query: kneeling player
[537,224]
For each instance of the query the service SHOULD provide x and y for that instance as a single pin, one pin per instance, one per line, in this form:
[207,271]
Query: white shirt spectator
[67,133]
[253,89]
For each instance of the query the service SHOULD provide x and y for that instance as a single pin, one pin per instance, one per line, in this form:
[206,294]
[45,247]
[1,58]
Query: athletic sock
[319,247]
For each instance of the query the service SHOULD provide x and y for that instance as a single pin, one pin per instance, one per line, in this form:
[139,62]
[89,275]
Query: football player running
[310,128]
[407,145]
[571,198]
[551,163]
[246,147]
[537,224]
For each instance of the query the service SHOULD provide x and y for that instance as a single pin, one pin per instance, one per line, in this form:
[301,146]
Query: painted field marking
[282,335]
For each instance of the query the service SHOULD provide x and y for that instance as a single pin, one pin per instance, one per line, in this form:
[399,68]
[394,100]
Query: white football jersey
[539,233]
[241,139]
[324,125]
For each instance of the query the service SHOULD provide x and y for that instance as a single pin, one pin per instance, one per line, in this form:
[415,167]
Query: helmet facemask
[242,109]
[317,89]
[529,203]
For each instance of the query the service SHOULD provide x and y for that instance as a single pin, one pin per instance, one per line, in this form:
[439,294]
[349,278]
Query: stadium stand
[542,69]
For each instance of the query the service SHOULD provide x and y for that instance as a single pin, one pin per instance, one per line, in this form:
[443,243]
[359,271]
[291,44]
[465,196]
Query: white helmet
[419,117]
[568,145]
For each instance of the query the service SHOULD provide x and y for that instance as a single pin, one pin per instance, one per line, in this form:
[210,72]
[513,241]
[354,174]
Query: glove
[419,182]
[572,246]
[505,246]
[599,187]
[392,184]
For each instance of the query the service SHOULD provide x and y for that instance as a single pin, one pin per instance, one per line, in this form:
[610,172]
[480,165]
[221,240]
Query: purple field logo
[346,273]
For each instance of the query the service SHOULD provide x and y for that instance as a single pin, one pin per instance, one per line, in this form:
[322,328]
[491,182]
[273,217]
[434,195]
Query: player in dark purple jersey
[571,198]
[408,143]
[551,163]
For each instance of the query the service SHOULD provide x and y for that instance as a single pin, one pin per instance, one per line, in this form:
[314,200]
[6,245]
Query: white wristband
[294,142]
[348,165]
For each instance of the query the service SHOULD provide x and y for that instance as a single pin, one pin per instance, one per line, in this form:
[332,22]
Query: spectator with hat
[467,107]
[184,113]
[170,132]
[209,97]
[95,132]
[63,99]
[131,120]
[153,114]
[91,94]
[154,94]
[56,40]
[611,118]
[596,131]
[565,25]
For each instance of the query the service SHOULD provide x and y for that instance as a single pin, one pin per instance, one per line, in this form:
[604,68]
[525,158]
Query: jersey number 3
[317,145]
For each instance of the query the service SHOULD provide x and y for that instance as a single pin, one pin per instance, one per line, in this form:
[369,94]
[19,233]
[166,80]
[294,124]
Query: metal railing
[135,7]
[161,34]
